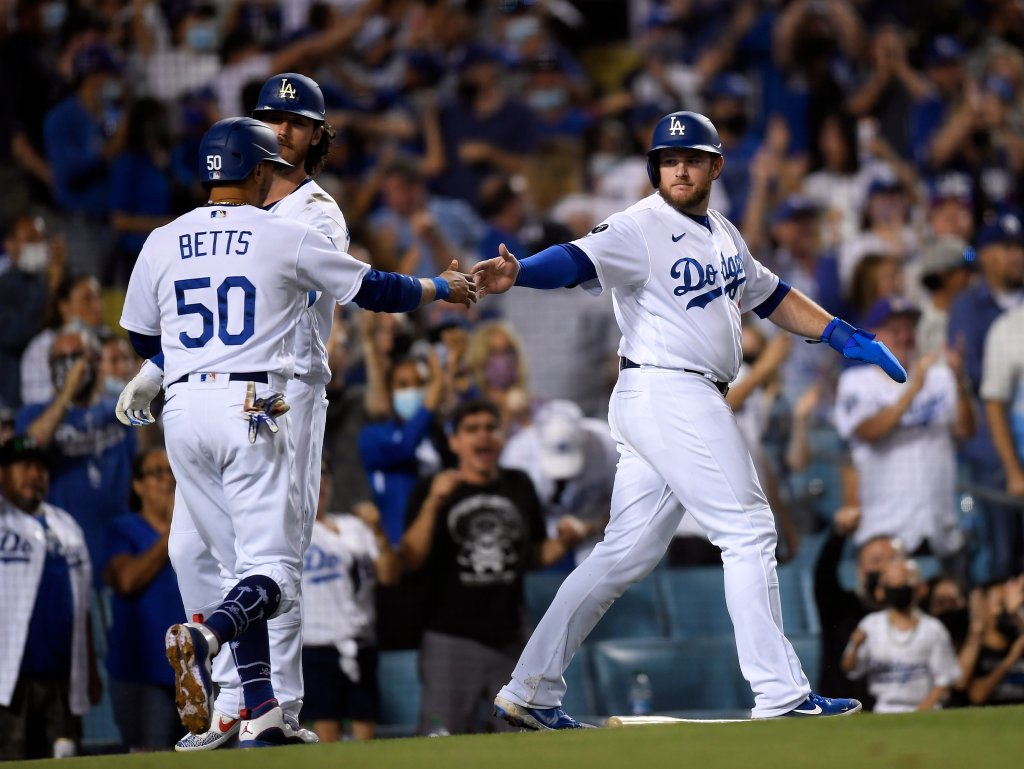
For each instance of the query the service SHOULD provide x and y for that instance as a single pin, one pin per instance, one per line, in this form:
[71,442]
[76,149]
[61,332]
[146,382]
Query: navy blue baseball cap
[796,206]
[944,49]
[23,448]
[727,85]
[883,184]
[889,307]
[1005,229]
[93,59]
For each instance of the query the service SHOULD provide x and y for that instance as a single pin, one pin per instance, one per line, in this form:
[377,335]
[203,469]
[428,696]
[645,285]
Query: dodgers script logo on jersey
[697,276]
[13,548]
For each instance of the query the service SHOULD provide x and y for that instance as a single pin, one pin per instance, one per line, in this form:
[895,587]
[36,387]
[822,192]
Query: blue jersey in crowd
[48,643]
[135,648]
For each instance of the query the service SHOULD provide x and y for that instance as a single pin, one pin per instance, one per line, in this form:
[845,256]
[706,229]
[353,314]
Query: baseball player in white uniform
[293,106]
[680,276]
[215,298]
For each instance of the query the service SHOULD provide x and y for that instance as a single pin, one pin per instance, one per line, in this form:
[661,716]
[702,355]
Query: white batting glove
[134,402]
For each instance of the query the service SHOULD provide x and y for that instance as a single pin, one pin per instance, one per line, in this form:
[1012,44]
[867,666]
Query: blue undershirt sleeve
[389,292]
[767,307]
[562,266]
[147,346]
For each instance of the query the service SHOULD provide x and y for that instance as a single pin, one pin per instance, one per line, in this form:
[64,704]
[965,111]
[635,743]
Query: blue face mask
[202,37]
[547,98]
[407,402]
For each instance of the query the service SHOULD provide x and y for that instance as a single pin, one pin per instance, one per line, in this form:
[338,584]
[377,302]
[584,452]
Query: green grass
[957,739]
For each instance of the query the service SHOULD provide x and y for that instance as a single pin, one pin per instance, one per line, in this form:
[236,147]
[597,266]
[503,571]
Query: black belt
[723,387]
[246,376]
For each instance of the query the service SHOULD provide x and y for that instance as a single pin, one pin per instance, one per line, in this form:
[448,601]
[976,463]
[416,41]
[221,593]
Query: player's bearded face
[686,177]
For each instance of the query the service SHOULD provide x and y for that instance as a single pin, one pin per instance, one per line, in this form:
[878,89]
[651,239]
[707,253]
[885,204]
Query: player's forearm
[128,574]
[800,315]
[45,426]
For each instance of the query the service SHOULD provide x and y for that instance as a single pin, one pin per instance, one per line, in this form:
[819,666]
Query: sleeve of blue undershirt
[767,307]
[388,292]
[561,266]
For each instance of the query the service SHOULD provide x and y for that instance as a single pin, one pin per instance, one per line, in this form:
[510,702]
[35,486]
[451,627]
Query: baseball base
[654,720]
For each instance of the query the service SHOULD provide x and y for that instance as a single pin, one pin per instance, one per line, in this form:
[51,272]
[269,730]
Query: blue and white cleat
[817,706]
[538,719]
[222,729]
[190,647]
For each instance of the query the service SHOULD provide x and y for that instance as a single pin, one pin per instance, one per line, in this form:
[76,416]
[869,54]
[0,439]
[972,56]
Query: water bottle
[437,728]
[640,695]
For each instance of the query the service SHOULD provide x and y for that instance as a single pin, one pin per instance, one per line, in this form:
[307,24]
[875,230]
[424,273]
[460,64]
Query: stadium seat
[399,680]
[808,649]
[694,602]
[99,729]
[928,564]
[637,614]
[697,674]
[580,698]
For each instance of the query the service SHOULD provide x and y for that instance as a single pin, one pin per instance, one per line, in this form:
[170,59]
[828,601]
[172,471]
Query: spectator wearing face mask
[31,272]
[404,400]
[907,656]
[947,601]
[999,673]
[497,362]
[839,609]
[92,475]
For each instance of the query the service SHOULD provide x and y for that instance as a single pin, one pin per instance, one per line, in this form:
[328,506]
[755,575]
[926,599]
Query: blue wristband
[442,289]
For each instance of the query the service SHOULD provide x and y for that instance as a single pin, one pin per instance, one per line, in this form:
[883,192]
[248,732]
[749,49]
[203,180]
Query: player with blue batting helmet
[291,97]
[233,147]
[294,93]
[682,130]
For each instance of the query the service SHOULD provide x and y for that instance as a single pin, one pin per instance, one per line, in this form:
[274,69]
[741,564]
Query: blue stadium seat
[694,602]
[636,614]
[399,680]
[99,729]
[696,674]
[928,564]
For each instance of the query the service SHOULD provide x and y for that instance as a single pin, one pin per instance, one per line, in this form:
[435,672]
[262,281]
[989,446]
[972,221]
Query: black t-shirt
[483,544]
[1009,691]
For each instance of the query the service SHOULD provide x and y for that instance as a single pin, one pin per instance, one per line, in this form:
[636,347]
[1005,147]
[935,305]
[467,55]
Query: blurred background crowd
[874,160]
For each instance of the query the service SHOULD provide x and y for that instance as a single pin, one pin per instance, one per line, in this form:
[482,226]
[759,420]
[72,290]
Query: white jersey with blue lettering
[224,287]
[310,204]
[677,287]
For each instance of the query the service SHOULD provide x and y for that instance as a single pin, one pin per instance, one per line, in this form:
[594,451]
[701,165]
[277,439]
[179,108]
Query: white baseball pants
[679,450]
[203,584]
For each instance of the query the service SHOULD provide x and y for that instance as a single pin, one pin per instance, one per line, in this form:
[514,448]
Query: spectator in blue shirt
[146,602]
[484,129]
[141,185]
[92,475]
[1000,256]
[944,70]
[82,134]
[404,397]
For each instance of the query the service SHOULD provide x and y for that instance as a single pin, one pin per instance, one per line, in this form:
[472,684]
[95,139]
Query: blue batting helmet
[232,148]
[292,92]
[681,130]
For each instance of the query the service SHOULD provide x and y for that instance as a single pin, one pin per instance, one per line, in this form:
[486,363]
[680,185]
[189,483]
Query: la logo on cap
[287,90]
[676,128]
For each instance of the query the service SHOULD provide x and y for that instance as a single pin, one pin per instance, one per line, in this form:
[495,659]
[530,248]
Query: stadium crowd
[874,160]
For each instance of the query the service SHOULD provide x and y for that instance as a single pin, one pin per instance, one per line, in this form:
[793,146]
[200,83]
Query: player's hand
[497,275]
[857,344]
[262,411]
[133,405]
[461,287]
[444,483]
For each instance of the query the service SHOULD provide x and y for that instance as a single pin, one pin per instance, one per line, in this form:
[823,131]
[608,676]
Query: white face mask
[408,401]
[113,387]
[34,257]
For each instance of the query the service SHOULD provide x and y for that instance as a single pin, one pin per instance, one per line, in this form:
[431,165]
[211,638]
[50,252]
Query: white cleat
[266,727]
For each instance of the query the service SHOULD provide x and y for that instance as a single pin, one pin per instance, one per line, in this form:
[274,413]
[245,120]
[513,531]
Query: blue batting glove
[857,344]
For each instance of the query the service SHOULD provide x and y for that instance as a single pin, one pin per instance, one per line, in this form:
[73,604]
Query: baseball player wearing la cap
[201,288]
[293,106]
[678,272]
